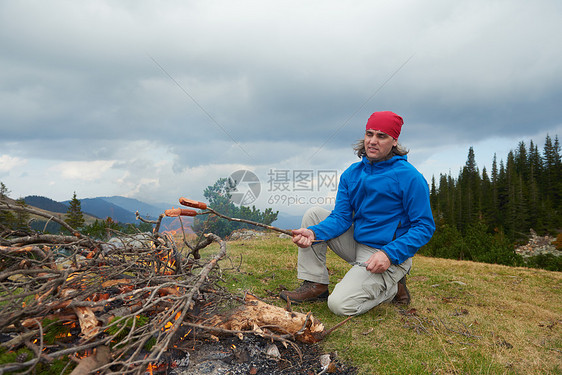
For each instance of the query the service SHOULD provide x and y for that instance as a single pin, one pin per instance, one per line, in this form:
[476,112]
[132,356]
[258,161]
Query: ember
[142,309]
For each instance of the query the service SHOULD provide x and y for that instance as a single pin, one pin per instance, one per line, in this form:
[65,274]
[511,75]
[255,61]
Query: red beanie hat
[386,122]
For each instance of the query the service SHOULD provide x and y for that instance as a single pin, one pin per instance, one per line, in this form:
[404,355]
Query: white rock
[273,351]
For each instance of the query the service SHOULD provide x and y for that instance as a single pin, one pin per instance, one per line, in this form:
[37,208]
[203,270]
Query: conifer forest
[483,215]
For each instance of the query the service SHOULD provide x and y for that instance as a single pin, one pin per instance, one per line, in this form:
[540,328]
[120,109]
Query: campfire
[73,304]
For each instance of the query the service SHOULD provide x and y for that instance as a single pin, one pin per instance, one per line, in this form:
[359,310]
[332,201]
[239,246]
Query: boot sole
[321,297]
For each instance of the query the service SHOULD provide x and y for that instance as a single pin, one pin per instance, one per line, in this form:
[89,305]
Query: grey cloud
[279,81]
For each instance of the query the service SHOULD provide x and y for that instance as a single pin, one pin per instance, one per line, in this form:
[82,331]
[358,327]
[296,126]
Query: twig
[337,326]
[457,332]
[156,222]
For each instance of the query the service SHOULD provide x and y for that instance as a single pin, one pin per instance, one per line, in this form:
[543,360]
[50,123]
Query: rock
[538,245]
[245,234]
[273,351]
[457,282]
[137,241]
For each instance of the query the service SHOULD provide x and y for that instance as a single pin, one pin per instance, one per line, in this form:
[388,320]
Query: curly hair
[359,149]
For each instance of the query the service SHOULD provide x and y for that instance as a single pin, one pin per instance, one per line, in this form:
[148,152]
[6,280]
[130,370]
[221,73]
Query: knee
[349,301]
[313,216]
[340,305]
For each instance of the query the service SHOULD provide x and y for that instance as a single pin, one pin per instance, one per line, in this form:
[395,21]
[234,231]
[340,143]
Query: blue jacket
[388,204]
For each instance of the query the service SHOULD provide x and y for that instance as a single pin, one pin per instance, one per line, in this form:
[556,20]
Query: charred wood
[117,309]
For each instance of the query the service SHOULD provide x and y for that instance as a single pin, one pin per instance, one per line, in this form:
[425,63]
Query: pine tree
[521,161]
[3,191]
[218,196]
[557,175]
[487,200]
[511,202]
[533,200]
[550,184]
[521,209]
[74,216]
[21,217]
[459,204]
[469,182]
[494,191]
[7,218]
[535,162]
[451,188]
[440,202]
[433,194]
[549,166]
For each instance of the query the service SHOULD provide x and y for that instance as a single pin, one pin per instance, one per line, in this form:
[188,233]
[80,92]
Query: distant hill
[145,210]
[120,209]
[49,207]
[103,209]
[45,204]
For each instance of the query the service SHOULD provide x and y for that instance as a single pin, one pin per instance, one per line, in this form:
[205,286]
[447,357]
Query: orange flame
[168,260]
[152,368]
[169,325]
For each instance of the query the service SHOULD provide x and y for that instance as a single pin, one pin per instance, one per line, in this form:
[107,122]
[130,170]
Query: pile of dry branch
[72,304]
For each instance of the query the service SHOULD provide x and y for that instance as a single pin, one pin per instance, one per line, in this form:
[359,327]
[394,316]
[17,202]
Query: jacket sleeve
[340,219]
[418,210]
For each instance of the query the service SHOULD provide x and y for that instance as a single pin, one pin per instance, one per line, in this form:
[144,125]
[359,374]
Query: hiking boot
[308,291]
[402,297]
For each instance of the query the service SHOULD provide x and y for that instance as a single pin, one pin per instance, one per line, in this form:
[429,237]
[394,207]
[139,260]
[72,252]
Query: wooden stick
[271,227]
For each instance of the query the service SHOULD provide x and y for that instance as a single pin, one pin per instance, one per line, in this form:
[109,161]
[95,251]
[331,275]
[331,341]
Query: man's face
[378,144]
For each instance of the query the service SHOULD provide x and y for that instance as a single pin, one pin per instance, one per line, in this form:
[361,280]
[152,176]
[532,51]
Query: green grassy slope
[465,317]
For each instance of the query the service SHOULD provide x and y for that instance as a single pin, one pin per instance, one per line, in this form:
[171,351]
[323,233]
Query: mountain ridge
[122,210]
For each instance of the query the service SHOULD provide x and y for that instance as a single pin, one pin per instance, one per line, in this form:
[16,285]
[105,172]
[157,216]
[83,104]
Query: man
[381,218]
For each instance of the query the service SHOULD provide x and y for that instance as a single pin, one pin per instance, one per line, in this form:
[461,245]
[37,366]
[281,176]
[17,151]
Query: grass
[465,317]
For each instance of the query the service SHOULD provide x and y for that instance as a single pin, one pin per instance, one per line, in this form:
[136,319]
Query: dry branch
[130,299]
[119,309]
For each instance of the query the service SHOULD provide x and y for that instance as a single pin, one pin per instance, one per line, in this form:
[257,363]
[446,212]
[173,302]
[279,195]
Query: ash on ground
[255,355]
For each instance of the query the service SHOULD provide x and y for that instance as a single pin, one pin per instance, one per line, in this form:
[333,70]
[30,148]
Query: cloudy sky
[155,100]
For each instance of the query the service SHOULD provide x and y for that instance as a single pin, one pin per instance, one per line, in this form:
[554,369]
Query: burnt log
[256,316]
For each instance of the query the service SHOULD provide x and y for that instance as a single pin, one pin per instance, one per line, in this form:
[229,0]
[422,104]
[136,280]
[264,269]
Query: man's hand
[303,237]
[377,263]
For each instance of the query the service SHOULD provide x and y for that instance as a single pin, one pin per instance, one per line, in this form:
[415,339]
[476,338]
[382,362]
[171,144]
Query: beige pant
[359,290]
